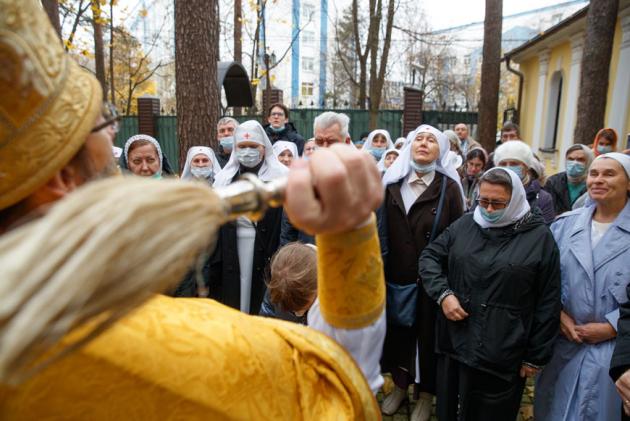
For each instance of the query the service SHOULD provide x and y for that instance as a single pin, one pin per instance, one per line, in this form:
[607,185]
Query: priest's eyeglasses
[496,204]
[110,122]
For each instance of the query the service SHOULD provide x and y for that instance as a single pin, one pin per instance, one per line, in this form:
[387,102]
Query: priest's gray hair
[227,120]
[330,118]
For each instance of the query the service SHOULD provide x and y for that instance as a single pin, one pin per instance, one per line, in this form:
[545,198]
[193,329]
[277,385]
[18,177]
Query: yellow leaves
[69,46]
[143,13]
[256,82]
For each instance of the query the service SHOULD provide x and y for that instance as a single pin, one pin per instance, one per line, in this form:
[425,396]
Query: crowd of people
[494,272]
[459,272]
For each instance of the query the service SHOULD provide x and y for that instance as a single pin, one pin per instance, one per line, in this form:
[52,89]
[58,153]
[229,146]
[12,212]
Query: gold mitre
[48,104]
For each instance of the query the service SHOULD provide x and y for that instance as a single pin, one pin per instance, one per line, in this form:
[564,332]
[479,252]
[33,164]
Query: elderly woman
[244,247]
[518,157]
[285,151]
[567,186]
[594,244]
[495,275]
[201,164]
[423,196]
[378,141]
[148,159]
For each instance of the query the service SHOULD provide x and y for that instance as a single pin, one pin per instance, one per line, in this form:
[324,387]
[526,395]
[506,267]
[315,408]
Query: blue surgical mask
[201,172]
[604,149]
[227,142]
[423,168]
[575,169]
[377,152]
[276,129]
[248,157]
[491,217]
[518,170]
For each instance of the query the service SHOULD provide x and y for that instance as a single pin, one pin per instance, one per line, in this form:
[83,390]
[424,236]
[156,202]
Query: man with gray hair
[328,128]
[225,135]
[331,127]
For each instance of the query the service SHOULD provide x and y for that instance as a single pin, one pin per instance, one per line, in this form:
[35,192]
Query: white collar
[427,178]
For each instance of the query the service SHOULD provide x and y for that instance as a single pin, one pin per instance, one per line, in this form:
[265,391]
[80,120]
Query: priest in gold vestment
[166,358]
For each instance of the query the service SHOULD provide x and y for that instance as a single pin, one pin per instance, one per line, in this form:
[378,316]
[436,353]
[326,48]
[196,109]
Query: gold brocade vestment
[189,359]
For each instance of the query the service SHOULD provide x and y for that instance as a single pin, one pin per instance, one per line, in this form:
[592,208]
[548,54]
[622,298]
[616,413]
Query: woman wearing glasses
[495,274]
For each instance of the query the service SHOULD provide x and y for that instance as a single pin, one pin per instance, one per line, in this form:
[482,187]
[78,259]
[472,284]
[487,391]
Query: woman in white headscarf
[495,274]
[400,143]
[388,158]
[143,156]
[378,141]
[285,151]
[201,164]
[423,196]
[244,247]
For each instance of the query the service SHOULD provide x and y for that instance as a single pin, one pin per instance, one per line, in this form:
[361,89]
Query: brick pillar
[412,111]
[148,109]
[274,98]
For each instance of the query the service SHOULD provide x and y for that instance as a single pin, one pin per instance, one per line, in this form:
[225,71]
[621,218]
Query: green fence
[390,120]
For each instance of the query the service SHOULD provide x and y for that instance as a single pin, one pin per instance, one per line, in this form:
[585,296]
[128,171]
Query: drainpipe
[521,78]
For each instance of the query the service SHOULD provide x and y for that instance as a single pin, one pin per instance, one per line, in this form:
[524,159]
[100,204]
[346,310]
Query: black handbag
[402,300]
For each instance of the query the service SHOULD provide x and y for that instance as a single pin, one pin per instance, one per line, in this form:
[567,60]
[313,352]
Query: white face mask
[248,157]
[201,172]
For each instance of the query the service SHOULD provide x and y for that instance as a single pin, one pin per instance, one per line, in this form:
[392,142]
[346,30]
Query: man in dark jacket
[567,186]
[279,127]
[225,135]
[620,363]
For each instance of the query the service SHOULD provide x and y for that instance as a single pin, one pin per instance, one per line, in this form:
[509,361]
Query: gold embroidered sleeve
[351,284]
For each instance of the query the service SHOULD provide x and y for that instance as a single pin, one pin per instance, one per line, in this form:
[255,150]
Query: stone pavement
[403,414]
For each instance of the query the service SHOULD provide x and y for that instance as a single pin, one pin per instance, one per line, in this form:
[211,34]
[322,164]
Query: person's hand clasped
[594,333]
[335,191]
[623,387]
[567,327]
[528,371]
[452,309]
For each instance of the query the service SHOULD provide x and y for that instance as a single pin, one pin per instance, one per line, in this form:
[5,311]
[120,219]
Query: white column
[543,66]
[573,90]
[621,87]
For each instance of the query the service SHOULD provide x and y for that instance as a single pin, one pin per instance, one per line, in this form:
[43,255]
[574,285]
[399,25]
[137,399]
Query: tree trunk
[99,53]
[376,86]
[111,52]
[600,31]
[362,57]
[52,9]
[490,74]
[197,92]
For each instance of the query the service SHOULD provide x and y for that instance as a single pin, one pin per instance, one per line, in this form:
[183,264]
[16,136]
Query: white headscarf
[251,131]
[282,145]
[194,151]
[623,159]
[368,143]
[444,164]
[148,138]
[515,210]
[400,140]
[381,162]
[117,151]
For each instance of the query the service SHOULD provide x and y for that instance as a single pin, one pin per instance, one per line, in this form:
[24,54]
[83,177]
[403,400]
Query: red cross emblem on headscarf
[246,136]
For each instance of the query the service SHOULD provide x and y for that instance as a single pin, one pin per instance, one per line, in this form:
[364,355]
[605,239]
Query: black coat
[402,237]
[508,281]
[224,274]
[557,187]
[290,234]
[288,133]
[620,361]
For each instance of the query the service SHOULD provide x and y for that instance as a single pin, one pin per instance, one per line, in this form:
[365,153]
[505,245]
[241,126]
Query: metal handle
[251,197]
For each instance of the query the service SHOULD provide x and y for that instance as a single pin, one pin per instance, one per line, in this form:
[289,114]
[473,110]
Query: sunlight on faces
[462,131]
[607,181]
[390,158]
[474,166]
[226,130]
[144,160]
[286,157]
[425,149]
[200,161]
[379,141]
[328,136]
[277,118]
[493,196]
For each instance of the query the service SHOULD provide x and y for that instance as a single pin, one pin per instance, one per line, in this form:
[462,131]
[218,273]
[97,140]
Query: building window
[553,111]
[308,12]
[308,64]
[308,37]
[307,88]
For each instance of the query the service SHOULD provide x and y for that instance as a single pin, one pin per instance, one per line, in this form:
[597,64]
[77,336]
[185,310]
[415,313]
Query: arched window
[553,111]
